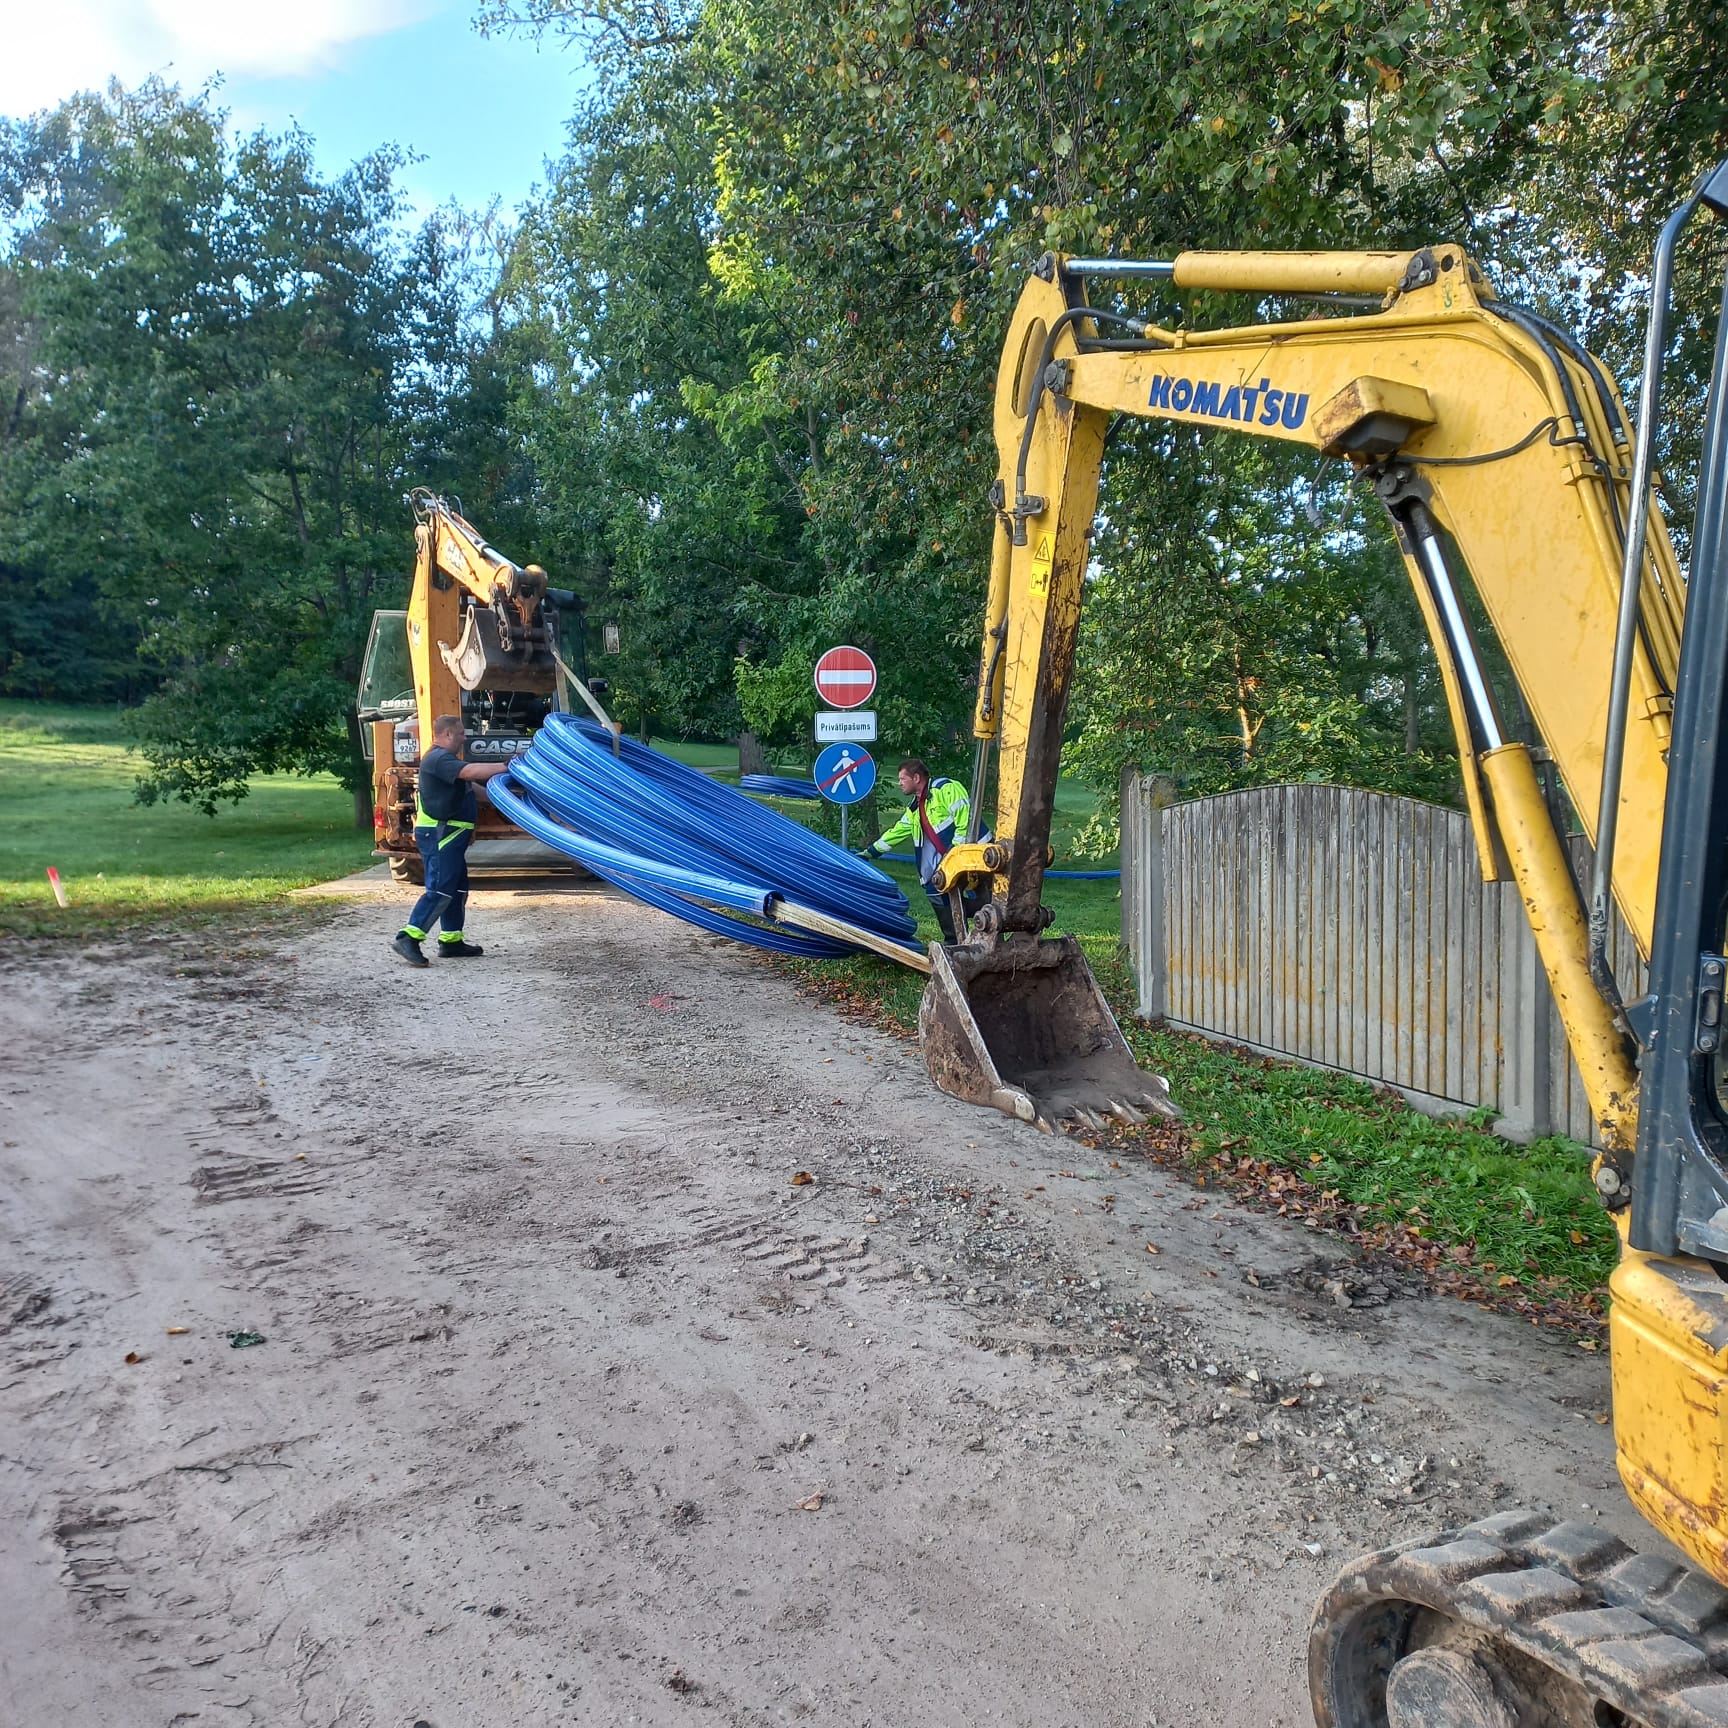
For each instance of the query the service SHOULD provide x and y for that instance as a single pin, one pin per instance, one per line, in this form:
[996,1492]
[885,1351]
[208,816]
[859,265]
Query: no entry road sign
[845,677]
[845,773]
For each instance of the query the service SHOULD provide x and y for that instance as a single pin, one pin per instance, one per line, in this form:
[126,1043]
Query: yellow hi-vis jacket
[939,821]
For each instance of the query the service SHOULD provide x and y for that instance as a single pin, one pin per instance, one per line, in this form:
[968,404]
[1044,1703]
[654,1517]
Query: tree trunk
[361,770]
[751,759]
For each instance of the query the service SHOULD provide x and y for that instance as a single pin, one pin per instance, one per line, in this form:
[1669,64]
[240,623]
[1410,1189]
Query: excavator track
[1520,1622]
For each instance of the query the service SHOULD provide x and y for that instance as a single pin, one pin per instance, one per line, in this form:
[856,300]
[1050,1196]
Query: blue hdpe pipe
[691,846]
[777,786]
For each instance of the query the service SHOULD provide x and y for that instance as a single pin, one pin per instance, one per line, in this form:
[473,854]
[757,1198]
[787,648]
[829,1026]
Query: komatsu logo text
[1246,404]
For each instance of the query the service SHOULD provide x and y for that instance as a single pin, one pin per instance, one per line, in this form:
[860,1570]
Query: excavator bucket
[1022,1026]
[480,661]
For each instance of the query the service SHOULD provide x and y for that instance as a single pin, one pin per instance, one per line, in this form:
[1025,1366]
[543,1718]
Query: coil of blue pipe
[691,846]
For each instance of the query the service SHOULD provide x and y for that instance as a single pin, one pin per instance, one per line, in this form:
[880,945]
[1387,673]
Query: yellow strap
[422,820]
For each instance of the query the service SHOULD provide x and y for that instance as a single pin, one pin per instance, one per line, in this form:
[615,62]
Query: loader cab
[386,676]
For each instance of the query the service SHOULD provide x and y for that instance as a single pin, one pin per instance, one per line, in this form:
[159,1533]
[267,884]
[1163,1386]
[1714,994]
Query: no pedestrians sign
[845,677]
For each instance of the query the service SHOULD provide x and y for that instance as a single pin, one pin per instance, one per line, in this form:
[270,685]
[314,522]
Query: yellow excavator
[1494,440]
[480,638]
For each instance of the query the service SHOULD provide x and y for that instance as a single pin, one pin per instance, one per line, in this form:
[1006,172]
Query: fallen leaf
[178,1331]
[1153,1248]
[1576,1235]
[802,1179]
[813,1504]
[133,1356]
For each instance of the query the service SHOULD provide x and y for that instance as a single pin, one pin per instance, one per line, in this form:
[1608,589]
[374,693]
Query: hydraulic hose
[691,846]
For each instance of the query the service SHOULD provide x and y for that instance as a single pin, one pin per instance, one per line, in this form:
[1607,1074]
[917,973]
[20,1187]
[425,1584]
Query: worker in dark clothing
[938,818]
[446,808]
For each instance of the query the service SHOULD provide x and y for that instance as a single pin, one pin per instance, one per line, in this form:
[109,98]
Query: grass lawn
[1519,1226]
[68,776]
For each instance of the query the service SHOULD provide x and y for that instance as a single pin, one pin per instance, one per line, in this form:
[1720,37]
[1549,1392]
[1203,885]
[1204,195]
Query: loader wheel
[1517,1620]
[409,870]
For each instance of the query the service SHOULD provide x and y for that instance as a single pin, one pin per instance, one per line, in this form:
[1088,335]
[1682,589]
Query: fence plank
[1353,930]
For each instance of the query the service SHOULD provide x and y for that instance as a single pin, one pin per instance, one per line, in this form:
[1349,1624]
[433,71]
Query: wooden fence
[1353,930]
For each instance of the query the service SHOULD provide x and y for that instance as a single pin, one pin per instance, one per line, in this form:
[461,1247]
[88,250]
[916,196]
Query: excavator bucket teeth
[1022,1026]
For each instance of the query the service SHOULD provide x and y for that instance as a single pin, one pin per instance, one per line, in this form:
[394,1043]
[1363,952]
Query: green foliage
[1514,1210]
[864,188]
[228,361]
[1250,622]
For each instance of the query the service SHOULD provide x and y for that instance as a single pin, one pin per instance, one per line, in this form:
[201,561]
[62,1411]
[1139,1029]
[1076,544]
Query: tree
[220,416]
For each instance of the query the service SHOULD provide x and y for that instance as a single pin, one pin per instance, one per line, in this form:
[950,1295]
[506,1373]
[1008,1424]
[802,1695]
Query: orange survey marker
[59,892]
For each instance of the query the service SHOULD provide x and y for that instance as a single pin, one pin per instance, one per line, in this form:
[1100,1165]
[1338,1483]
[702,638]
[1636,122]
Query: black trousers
[971,902]
[446,895]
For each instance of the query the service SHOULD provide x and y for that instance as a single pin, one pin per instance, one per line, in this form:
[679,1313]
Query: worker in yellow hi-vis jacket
[939,816]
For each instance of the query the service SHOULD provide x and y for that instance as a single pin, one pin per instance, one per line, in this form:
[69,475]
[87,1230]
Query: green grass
[68,776]
[1514,1223]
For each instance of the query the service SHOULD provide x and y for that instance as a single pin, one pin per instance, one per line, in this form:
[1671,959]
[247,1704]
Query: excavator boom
[1482,429]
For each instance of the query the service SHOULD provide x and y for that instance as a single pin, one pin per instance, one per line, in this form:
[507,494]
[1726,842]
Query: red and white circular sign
[845,677]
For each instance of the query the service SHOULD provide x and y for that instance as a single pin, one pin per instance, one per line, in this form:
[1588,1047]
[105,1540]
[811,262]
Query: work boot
[459,950]
[409,949]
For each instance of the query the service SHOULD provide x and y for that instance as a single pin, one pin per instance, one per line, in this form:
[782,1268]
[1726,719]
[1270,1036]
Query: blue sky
[484,113]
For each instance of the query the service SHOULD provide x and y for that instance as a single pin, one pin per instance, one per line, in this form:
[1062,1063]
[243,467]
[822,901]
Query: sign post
[845,773]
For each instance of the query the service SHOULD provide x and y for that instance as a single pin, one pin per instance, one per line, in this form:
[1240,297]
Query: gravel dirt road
[573,1408]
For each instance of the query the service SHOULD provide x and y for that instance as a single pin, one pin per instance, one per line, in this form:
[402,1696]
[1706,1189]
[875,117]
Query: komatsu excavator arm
[1480,428]
[1498,447]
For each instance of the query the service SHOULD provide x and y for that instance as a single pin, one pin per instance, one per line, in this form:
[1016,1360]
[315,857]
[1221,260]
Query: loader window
[386,677]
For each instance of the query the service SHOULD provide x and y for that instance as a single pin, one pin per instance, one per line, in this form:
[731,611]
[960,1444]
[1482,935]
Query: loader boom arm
[451,561]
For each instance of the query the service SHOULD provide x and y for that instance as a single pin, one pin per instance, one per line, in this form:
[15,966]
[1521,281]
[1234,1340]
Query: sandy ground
[574,1409]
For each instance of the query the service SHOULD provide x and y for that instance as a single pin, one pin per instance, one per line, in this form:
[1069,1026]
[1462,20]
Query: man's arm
[481,770]
[902,830]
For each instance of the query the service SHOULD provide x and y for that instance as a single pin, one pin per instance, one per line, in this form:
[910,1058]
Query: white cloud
[53,48]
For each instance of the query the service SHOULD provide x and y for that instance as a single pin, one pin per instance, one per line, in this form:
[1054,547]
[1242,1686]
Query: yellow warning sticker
[1043,557]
